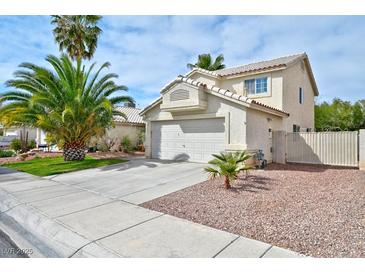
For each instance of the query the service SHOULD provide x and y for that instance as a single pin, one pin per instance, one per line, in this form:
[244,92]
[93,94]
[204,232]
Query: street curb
[41,236]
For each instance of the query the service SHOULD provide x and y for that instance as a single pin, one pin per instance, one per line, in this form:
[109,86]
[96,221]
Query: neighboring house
[206,112]
[130,127]
[33,134]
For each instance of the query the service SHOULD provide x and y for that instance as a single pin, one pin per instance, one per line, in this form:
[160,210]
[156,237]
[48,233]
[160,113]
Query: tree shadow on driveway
[135,163]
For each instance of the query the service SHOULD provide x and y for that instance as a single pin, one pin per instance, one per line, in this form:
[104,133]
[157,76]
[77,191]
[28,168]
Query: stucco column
[362,149]
[38,137]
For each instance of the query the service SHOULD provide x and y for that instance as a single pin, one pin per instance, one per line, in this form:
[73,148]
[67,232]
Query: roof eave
[254,72]
[202,71]
[129,123]
[311,76]
[152,105]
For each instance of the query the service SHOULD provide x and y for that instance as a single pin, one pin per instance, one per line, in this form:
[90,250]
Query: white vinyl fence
[329,148]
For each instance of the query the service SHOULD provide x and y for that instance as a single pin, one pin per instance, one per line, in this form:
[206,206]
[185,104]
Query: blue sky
[148,51]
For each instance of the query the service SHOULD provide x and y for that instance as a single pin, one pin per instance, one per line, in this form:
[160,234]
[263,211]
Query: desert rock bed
[316,211]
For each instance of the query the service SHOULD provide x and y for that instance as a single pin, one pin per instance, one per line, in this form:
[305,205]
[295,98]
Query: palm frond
[59,102]
[228,165]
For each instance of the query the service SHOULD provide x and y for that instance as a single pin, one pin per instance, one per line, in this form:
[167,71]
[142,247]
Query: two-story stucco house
[206,112]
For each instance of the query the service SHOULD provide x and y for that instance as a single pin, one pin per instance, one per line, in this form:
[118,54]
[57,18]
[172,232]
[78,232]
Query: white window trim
[263,94]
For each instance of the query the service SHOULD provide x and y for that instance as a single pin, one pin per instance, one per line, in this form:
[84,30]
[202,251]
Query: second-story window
[250,86]
[256,86]
[301,96]
[261,85]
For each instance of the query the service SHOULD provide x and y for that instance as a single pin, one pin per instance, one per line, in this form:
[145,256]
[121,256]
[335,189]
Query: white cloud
[149,51]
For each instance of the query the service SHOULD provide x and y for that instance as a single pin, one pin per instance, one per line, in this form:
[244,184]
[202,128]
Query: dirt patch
[118,154]
[317,211]
[15,159]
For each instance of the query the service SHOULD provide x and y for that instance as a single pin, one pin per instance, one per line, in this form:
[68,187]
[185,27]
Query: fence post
[279,146]
[362,149]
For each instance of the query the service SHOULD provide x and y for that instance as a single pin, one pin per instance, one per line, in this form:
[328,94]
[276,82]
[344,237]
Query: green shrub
[141,137]
[6,153]
[104,144]
[16,145]
[126,144]
[32,144]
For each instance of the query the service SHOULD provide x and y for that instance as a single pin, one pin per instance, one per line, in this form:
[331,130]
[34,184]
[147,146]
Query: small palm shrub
[227,165]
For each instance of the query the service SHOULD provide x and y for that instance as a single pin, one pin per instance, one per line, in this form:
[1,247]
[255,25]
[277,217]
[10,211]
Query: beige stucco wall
[300,114]
[120,130]
[233,113]
[274,96]
[247,128]
[283,92]
[204,79]
[258,135]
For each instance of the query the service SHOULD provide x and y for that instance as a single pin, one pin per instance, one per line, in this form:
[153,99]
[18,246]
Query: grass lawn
[56,165]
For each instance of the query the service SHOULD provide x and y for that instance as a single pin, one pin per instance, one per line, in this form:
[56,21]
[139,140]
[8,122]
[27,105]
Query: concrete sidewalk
[64,219]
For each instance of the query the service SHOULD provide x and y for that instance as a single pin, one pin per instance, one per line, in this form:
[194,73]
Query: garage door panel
[192,140]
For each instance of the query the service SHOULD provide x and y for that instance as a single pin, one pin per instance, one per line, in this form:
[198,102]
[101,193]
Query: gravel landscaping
[317,211]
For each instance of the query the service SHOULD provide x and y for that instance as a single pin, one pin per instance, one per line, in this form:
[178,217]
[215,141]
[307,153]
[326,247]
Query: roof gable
[223,93]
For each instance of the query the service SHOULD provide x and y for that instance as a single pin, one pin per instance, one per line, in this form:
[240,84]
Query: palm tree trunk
[74,151]
[227,185]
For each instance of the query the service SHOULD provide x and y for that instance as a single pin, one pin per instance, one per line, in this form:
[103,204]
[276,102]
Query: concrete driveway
[137,181]
[94,213]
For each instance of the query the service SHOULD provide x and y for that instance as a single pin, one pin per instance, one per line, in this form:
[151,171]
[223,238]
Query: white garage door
[190,140]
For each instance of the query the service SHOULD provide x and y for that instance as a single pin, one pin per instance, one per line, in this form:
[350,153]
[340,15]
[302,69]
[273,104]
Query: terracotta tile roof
[278,63]
[269,64]
[262,65]
[213,89]
[132,114]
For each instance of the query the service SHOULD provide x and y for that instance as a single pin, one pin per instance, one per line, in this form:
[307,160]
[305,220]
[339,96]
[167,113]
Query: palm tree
[205,62]
[77,34]
[228,165]
[70,103]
